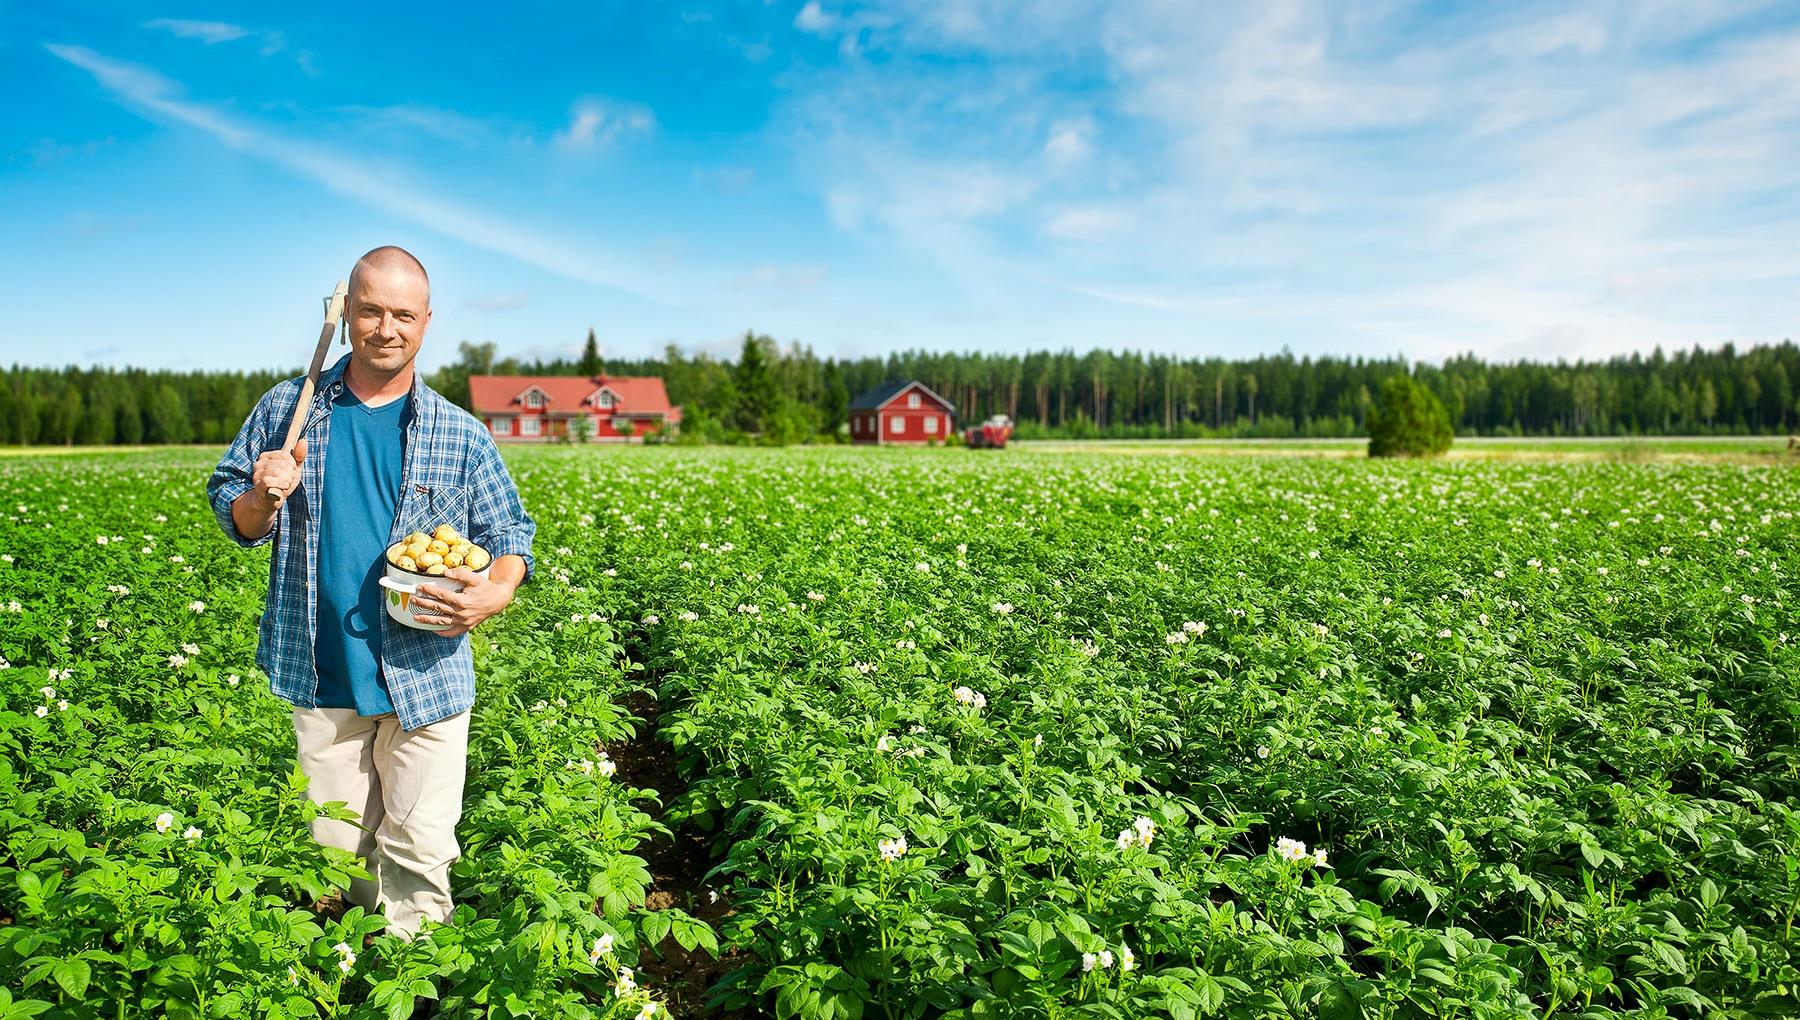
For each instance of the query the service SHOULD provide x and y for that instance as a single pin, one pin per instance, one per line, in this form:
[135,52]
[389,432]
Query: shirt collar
[331,382]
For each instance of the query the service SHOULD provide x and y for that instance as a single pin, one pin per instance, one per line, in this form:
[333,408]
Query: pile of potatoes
[437,552]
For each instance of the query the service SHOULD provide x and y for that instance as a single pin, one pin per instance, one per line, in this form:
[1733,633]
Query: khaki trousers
[408,789]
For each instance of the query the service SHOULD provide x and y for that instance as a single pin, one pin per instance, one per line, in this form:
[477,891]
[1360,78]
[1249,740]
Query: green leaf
[72,977]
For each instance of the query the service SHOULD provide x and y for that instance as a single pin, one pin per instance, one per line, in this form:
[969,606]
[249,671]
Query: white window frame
[931,424]
[899,426]
[528,426]
[502,425]
[912,400]
[605,399]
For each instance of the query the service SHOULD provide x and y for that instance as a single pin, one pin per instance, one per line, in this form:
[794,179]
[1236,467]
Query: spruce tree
[591,365]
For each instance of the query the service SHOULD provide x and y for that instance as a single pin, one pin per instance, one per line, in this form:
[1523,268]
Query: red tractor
[989,435]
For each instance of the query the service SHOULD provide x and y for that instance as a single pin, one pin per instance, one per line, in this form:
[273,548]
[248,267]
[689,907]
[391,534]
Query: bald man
[381,711]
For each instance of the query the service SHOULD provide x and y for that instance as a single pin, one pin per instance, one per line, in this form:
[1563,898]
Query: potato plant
[154,853]
[1033,735]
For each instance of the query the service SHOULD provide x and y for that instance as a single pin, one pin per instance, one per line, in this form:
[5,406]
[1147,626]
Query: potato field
[841,733]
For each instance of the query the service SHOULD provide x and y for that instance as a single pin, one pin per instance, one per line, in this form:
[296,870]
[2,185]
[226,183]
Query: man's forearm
[508,570]
[252,515]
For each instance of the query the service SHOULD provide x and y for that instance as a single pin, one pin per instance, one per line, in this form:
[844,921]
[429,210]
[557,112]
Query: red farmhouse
[540,407]
[900,412]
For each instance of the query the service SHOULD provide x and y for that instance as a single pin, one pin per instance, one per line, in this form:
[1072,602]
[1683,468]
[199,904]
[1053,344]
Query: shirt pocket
[450,505]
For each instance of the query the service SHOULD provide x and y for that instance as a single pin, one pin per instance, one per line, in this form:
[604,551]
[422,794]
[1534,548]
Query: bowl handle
[393,585]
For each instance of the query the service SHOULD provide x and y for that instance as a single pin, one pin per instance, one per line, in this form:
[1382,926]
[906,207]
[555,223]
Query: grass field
[1059,731]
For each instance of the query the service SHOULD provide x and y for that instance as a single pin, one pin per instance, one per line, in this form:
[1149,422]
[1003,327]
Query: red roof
[505,394]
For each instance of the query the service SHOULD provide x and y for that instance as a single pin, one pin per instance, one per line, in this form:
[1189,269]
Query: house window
[604,400]
[502,426]
[931,424]
[899,426]
[534,399]
[912,400]
[528,426]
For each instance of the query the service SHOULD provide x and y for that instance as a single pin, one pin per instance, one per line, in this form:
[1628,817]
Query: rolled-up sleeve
[232,478]
[497,518]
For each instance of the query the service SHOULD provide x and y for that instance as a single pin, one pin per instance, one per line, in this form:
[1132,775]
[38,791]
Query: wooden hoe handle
[334,311]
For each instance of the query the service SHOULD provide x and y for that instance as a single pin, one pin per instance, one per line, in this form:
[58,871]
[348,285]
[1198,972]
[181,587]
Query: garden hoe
[334,314]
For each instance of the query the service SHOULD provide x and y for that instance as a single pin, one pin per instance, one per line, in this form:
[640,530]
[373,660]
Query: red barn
[541,407]
[900,412]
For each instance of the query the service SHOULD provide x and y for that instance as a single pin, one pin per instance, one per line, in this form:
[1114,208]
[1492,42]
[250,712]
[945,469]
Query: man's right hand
[277,474]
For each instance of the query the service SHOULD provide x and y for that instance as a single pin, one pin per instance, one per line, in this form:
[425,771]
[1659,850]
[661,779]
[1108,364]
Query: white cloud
[787,279]
[209,32]
[1536,178]
[1070,140]
[382,187]
[595,121]
[1090,224]
[813,19]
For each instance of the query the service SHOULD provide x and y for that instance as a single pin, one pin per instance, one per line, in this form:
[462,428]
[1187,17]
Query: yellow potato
[477,558]
[435,568]
[445,533]
[417,549]
[406,563]
[430,559]
[415,537]
[461,548]
[452,560]
[440,546]
[396,551]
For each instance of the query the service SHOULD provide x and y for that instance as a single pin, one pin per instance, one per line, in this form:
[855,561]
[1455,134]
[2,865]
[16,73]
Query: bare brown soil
[678,869]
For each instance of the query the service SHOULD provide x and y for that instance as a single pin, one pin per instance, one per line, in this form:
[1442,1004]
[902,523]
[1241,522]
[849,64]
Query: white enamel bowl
[400,584]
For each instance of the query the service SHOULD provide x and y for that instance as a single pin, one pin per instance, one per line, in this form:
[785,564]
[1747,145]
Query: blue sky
[180,185]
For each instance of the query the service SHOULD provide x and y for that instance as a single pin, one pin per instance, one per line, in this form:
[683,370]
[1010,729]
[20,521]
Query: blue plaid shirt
[451,474]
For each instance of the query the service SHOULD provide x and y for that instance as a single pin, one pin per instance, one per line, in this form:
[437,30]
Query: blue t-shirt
[362,490]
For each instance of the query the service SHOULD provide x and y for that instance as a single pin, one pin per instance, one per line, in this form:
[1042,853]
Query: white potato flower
[164,821]
[1291,850]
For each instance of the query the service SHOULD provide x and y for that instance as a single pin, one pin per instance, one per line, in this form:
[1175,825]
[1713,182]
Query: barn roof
[500,394]
[873,399]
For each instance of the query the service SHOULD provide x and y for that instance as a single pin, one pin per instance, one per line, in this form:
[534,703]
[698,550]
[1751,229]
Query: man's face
[388,310]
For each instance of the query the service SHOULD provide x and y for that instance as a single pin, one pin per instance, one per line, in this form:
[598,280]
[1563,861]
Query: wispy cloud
[209,32]
[380,187]
[1505,179]
[596,121]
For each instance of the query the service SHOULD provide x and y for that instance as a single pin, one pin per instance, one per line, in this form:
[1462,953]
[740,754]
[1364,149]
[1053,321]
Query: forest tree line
[789,394]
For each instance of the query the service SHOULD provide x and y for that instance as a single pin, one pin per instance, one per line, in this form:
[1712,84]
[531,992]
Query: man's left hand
[464,610]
